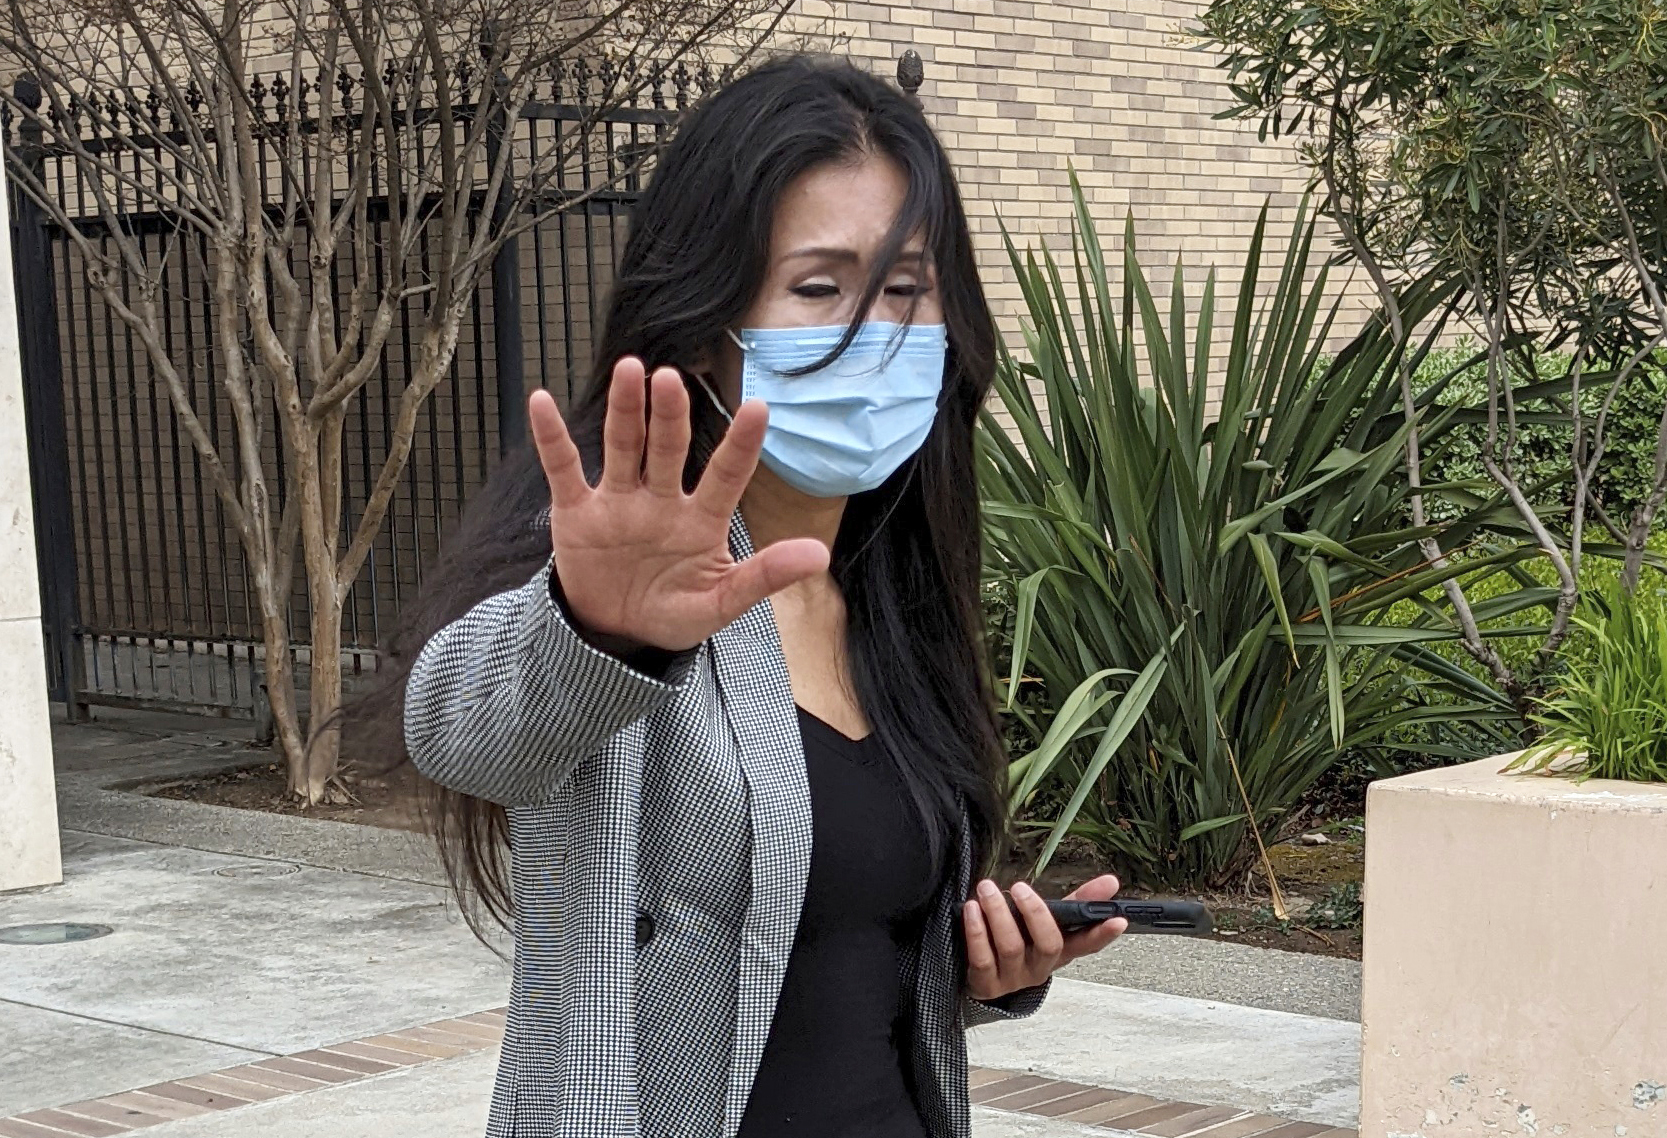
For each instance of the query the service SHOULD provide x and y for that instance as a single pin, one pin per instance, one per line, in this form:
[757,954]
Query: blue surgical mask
[846,427]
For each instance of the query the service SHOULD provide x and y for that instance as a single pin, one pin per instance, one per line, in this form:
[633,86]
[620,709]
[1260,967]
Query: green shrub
[1436,741]
[1545,433]
[1611,704]
[1197,605]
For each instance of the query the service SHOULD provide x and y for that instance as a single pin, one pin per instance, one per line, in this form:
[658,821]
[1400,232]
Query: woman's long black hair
[907,553]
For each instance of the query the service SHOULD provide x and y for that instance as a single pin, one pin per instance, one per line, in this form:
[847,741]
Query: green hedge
[1542,453]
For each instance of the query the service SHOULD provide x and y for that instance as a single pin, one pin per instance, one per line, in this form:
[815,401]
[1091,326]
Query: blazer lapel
[758,701]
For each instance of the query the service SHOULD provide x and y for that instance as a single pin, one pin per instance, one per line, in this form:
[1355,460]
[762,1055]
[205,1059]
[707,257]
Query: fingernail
[1020,889]
[987,888]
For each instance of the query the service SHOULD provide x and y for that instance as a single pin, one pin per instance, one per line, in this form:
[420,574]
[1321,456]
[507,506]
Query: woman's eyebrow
[824,253]
[833,253]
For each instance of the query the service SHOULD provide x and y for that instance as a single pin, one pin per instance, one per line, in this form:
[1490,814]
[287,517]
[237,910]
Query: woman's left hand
[999,961]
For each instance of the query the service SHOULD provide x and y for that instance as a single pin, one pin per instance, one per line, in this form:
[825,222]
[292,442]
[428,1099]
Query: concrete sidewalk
[127,746]
[225,962]
[218,960]
[1175,1048]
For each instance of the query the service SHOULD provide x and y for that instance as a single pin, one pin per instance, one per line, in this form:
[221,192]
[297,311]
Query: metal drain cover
[264,869]
[58,932]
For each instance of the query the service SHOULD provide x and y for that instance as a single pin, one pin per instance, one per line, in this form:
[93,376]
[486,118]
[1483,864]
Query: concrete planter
[1515,977]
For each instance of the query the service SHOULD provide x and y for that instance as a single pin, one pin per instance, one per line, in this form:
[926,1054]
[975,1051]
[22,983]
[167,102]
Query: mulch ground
[390,801]
[1306,872]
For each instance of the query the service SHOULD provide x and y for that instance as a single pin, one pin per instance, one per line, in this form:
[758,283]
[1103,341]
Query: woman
[731,716]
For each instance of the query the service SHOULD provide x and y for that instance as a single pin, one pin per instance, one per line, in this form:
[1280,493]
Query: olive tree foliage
[336,173]
[1514,147]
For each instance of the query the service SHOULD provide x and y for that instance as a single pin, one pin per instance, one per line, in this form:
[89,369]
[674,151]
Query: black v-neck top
[834,1065]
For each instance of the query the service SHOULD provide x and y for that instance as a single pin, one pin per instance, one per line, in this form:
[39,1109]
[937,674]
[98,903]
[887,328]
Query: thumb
[768,571]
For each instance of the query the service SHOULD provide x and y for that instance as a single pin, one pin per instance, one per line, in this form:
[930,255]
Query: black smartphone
[1176,918]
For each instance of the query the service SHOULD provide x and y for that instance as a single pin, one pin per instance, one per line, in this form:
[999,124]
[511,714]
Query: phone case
[1175,918]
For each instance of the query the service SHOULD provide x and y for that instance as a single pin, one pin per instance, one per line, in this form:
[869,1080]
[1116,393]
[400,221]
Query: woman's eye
[908,288]
[815,291]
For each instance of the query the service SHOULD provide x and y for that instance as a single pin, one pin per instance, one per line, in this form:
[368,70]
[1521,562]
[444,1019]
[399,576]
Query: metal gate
[142,579]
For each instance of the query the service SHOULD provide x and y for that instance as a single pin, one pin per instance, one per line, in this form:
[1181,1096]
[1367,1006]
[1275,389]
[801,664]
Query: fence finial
[911,73]
[26,89]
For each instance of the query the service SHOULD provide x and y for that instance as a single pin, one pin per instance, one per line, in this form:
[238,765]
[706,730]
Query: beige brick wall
[1022,91]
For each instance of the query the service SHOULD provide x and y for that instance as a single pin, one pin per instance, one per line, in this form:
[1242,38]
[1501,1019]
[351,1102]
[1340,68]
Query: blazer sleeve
[1014,1005]
[502,703]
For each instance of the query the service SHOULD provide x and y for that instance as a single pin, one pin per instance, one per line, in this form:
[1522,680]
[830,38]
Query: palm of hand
[640,560]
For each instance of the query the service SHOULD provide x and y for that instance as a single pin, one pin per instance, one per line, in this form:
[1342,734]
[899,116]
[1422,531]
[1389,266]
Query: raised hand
[640,562]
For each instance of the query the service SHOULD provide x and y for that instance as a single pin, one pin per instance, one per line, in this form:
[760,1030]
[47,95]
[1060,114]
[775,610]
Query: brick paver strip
[443,1038]
[122,1116]
[1025,1100]
[70,1124]
[384,1054]
[236,1088]
[1193,1122]
[1250,1126]
[1163,1112]
[306,1070]
[1016,1082]
[489,1033]
[339,1063]
[182,1092]
[342,1061]
[115,1127]
[155,1104]
[1089,1111]
[1077,1100]
[1121,1105]
[402,1042]
[14,1128]
[289,1084]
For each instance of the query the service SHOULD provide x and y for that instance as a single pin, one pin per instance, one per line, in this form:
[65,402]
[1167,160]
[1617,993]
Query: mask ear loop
[713,396]
[701,379]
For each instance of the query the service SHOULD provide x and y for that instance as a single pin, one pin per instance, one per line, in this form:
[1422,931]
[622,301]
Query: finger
[1004,930]
[624,430]
[1102,888]
[982,974]
[563,469]
[730,468]
[668,433]
[1093,939]
[768,571]
[1046,940]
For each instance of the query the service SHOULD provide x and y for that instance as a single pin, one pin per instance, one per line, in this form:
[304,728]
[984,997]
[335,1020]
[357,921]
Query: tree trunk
[316,482]
[1638,538]
[280,683]
[311,779]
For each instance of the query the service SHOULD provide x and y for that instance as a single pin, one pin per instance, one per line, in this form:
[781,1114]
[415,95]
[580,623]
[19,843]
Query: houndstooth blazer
[660,834]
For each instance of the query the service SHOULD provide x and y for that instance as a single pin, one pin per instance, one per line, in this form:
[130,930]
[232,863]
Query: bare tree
[331,169]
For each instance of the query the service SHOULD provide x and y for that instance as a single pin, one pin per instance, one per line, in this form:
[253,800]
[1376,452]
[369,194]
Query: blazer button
[645,928]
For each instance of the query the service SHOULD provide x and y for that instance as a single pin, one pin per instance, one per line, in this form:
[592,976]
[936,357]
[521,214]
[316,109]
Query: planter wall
[1515,976]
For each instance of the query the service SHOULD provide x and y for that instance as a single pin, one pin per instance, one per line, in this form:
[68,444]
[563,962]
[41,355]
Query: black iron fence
[143,579]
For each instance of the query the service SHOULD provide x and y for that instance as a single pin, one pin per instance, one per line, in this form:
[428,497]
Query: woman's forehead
[839,208]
